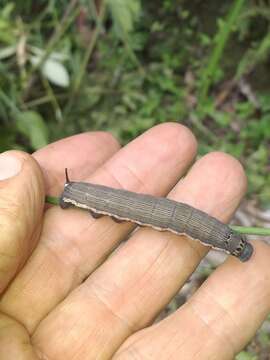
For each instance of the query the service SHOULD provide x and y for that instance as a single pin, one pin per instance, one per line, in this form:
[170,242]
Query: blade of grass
[220,40]
[87,56]
[11,105]
[251,230]
[52,200]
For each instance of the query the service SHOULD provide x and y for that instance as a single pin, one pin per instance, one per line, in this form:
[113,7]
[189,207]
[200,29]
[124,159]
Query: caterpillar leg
[117,220]
[95,215]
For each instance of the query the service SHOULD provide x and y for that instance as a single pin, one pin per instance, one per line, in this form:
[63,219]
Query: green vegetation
[123,66]
[126,65]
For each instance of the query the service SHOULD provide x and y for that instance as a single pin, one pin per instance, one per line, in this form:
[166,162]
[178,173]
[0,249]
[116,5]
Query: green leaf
[7,52]
[53,70]
[31,125]
[124,14]
[7,33]
[7,139]
[244,355]
[7,10]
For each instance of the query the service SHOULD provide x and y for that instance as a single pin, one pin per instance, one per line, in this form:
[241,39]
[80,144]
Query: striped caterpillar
[159,213]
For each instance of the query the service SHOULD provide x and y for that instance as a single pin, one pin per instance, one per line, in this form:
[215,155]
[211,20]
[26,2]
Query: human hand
[68,300]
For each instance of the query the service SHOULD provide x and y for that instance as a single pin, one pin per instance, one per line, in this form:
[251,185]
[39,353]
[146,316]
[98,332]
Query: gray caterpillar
[159,213]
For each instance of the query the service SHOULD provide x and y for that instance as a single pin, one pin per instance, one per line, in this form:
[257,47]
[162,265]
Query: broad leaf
[53,70]
[31,125]
[124,14]
[7,52]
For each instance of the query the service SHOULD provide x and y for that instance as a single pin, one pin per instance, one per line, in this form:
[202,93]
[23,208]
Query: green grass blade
[52,200]
[221,40]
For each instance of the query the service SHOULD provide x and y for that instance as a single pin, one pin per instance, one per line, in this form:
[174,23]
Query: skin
[62,297]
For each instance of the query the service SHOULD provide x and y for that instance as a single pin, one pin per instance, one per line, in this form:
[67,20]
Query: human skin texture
[63,297]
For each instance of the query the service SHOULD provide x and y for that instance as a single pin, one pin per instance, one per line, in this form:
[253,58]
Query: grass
[98,65]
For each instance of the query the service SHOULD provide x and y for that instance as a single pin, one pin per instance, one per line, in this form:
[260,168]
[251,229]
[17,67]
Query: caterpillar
[159,213]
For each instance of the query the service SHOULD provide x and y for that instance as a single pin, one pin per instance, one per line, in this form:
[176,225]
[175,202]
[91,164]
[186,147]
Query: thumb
[21,208]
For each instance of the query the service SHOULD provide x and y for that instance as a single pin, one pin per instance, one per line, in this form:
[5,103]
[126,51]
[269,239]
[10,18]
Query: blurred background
[125,65]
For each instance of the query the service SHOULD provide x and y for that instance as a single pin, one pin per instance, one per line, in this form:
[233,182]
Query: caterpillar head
[243,249]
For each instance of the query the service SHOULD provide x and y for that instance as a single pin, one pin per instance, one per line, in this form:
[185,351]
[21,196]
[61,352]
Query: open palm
[64,297]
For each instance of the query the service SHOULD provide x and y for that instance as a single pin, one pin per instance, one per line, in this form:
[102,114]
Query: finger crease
[133,353]
[77,274]
[142,186]
[211,329]
[107,170]
[109,308]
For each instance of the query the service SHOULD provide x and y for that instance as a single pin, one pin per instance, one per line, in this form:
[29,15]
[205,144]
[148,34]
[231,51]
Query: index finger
[83,153]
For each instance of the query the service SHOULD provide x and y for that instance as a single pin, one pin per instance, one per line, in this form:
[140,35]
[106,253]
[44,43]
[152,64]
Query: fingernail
[9,166]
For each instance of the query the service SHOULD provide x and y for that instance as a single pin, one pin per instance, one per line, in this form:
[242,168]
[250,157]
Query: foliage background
[126,65]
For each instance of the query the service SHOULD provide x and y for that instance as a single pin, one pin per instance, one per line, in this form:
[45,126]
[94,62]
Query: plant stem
[90,48]
[54,102]
[52,200]
[9,103]
[43,100]
[221,40]
[68,17]
[251,230]
[241,229]
[87,56]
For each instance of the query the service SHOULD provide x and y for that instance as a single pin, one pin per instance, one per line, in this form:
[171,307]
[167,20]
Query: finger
[233,303]
[15,342]
[24,193]
[132,286]
[82,153]
[86,152]
[220,319]
[21,207]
